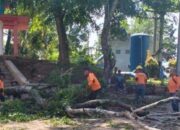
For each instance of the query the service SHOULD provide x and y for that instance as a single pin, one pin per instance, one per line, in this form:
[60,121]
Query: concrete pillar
[1,38]
[16,42]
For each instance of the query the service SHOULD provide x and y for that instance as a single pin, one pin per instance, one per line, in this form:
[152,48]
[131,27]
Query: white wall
[123,58]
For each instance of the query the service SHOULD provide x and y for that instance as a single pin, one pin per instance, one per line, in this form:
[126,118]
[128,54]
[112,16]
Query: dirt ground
[92,124]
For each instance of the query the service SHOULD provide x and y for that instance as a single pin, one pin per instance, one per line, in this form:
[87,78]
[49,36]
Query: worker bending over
[141,81]
[173,87]
[93,84]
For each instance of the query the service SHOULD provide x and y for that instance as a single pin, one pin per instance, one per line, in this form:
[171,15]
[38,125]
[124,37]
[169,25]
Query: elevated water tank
[139,46]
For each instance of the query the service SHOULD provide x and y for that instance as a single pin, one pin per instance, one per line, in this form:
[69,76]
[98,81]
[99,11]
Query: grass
[17,117]
[61,121]
[122,126]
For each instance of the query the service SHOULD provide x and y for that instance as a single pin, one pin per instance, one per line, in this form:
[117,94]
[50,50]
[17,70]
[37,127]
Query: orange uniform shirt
[178,82]
[173,84]
[93,82]
[141,78]
[1,84]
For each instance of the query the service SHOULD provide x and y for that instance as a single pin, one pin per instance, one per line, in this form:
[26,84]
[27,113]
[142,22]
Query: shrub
[62,98]
[16,110]
[56,79]
[15,106]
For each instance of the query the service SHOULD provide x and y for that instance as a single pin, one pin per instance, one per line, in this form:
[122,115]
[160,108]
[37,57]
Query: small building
[122,50]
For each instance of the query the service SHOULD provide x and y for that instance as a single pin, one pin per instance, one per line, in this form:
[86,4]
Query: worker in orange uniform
[93,84]
[2,98]
[173,88]
[141,81]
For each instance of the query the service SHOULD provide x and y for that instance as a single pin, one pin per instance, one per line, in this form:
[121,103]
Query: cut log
[97,111]
[18,76]
[102,102]
[155,104]
[22,90]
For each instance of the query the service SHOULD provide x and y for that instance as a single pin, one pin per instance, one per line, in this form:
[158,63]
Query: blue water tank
[139,47]
[2,4]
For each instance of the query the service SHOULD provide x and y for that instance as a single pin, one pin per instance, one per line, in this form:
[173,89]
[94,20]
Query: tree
[68,13]
[160,7]
[113,9]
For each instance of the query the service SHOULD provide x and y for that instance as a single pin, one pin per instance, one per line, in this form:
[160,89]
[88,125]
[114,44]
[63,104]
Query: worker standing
[141,81]
[2,98]
[173,87]
[119,79]
[93,84]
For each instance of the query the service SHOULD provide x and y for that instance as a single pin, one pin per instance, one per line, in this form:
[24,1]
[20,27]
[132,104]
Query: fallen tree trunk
[94,112]
[97,111]
[155,104]
[100,102]
[165,114]
[23,90]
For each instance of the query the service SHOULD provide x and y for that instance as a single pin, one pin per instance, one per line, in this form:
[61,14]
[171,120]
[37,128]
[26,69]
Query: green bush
[16,110]
[13,106]
[56,79]
[62,98]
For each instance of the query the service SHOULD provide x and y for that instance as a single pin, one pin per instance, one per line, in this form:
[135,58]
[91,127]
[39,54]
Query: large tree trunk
[161,31]
[106,50]
[8,43]
[63,42]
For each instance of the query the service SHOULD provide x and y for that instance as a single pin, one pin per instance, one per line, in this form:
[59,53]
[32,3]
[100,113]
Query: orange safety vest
[173,84]
[141,78]
[178,82]
[93,82]
[1,84]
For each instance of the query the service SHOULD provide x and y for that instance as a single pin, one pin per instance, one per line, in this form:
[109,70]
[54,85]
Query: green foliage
[13,106]
[161,7]
[18,117]
[55,78]
[62,98]
[16,110]
[141,25]
[152,69]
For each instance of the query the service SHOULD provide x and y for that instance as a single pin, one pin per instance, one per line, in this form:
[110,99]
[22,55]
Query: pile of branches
[95,107]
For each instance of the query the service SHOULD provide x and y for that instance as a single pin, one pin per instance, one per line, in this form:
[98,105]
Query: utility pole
[178,48]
